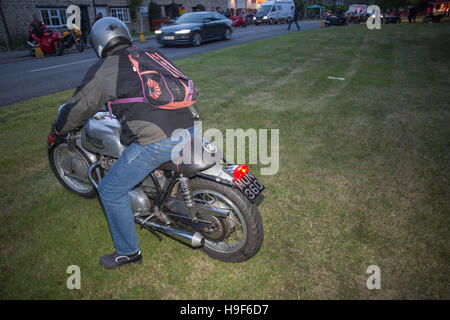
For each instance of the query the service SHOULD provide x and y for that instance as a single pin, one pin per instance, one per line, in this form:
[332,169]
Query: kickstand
[152,230]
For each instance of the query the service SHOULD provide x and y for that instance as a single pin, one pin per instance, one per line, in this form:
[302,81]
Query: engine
[101,136]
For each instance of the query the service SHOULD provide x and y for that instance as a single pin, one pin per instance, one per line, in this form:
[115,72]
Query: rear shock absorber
[187,194]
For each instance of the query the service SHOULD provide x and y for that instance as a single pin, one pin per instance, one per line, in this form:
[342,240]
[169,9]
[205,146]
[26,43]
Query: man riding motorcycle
[146,130]
[36,28]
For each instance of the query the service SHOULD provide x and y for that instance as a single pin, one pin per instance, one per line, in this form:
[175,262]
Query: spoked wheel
[237,237]
[59,48]
[72,168]
[80,45]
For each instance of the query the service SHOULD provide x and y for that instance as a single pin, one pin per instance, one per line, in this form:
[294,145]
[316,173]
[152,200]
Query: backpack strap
[124,100]
[191,90]
[166,65]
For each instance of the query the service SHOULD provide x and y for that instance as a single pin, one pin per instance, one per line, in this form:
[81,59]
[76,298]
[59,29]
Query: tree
[201,7]
[154,12]
[392,4]
[175,9]
[132,6]
[300,5]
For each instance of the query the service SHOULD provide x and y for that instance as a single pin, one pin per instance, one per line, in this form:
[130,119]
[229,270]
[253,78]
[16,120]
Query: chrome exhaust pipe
[193,239]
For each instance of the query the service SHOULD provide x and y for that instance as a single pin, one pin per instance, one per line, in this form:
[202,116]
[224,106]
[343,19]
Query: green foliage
[133,5]
[200,7]
[333,8]
[300,5]
[175,8]
[154,12]
[398,4]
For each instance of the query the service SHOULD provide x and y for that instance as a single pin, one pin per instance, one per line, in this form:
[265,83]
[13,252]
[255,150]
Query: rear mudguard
[217,174]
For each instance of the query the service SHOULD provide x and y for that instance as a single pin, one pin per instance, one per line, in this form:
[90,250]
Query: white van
[274,11]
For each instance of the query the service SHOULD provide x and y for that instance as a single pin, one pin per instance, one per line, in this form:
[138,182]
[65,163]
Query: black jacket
[114,78]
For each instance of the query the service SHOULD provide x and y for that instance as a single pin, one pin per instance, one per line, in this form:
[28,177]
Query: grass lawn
[363,180]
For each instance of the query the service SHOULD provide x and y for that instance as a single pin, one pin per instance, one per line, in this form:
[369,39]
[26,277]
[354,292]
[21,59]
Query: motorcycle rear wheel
[75,179]
[80,45]
[243,234]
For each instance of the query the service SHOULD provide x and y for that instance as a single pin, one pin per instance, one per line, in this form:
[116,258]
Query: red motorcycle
[50,42]
[238,21]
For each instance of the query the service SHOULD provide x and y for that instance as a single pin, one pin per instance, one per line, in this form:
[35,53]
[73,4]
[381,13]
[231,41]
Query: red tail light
[240,171]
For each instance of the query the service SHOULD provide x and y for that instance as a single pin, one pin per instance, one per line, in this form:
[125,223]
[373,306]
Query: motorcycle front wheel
[59,48]
[71,168]
[235,238]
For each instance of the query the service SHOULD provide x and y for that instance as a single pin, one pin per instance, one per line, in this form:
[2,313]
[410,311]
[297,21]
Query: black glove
[54,138]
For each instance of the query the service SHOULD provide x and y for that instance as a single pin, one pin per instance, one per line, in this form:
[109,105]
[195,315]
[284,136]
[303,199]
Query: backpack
[163,84]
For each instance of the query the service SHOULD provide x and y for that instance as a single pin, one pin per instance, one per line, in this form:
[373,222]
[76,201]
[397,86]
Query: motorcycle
[335,20]
[50,42]
[360,18]
[73,37]
[395,18]
[202,203]
[238,21]
[431,18]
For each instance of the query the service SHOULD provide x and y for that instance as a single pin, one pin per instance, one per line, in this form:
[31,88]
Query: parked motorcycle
[430,18]
[351,16]
[335,20]
[72,37]
[50,42]
[394,18]
[238,21]
[202,203]
[360,18]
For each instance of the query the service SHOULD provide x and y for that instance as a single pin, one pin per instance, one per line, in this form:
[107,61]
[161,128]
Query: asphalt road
[25,77]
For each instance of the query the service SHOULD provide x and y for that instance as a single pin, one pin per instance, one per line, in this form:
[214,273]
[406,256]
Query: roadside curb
[152,37]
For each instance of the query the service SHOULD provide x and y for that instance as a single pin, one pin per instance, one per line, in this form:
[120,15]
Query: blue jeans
[133,166]
[290,22]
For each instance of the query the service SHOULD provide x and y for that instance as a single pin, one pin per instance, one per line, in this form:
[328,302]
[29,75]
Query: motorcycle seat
[198,155]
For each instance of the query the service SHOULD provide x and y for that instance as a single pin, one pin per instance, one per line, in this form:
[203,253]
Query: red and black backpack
[163,84]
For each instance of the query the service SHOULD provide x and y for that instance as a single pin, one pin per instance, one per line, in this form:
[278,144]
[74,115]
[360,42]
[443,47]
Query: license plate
[169,37]
[249,186]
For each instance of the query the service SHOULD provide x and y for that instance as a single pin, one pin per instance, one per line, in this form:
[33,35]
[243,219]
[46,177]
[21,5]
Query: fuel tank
[101,134]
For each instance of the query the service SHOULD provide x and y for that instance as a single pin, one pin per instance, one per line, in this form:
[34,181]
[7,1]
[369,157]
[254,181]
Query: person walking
[294,18]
